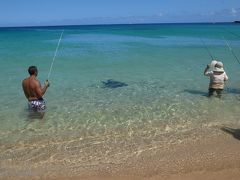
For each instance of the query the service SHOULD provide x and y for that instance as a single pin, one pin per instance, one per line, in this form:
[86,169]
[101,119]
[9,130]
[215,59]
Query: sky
[78,12]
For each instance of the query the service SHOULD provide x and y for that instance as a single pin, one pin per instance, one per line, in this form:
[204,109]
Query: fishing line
[55,54]
[231,50]
[205,46]
[232,33]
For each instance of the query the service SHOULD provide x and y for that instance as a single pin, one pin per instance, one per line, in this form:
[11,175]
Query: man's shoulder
[30,80]
[24,80]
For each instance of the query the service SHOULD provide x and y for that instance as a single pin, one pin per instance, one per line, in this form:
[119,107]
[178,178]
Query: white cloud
[212,13]
[234,12]
[160,14]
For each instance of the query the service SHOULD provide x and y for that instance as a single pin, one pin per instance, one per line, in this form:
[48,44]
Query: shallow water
[86,122]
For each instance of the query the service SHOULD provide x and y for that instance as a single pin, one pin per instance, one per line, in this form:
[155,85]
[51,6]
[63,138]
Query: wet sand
[209,157]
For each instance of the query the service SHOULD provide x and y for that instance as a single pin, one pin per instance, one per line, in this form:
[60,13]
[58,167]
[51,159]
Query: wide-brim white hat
[218,67]
[213,63]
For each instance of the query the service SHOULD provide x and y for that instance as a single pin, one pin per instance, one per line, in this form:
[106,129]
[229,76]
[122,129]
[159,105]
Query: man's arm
[41,91]
[206,70]
[225,76]
[24,89]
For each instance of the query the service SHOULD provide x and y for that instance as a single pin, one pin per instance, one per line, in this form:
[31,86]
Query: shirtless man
[33,90]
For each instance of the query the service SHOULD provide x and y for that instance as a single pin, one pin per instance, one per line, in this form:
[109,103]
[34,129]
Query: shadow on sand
[195,92]
[234,132]
[232,90]
[226,91]
[112,84]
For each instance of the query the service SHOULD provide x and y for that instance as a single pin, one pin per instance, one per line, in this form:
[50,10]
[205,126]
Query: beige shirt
[216,79]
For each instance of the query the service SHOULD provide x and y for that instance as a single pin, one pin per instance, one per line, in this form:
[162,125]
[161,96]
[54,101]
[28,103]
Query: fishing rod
[205,46]
[232,33]
[231,50]
[55,54]
[210,54]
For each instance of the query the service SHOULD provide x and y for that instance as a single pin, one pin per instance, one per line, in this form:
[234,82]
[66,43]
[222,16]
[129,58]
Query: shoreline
[208,157]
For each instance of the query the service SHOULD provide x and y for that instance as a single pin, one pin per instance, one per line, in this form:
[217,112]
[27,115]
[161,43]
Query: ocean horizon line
[112,24]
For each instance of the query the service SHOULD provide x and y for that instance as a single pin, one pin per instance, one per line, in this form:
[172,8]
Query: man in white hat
[217,78]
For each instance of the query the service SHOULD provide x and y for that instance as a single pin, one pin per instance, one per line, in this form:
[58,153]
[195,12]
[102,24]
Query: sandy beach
[209,157]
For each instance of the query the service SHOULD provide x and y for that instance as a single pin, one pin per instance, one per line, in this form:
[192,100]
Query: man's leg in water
[210,92]
[219,92]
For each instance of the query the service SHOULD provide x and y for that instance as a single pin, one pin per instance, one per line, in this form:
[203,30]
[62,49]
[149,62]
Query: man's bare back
[33,90]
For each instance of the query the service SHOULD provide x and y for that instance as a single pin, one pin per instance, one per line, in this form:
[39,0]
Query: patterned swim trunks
[37,105]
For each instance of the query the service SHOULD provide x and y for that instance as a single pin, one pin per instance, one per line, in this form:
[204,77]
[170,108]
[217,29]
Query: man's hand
[47,84]
[206,69]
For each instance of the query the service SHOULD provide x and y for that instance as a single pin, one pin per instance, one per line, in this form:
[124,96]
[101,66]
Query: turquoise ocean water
[87,123]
